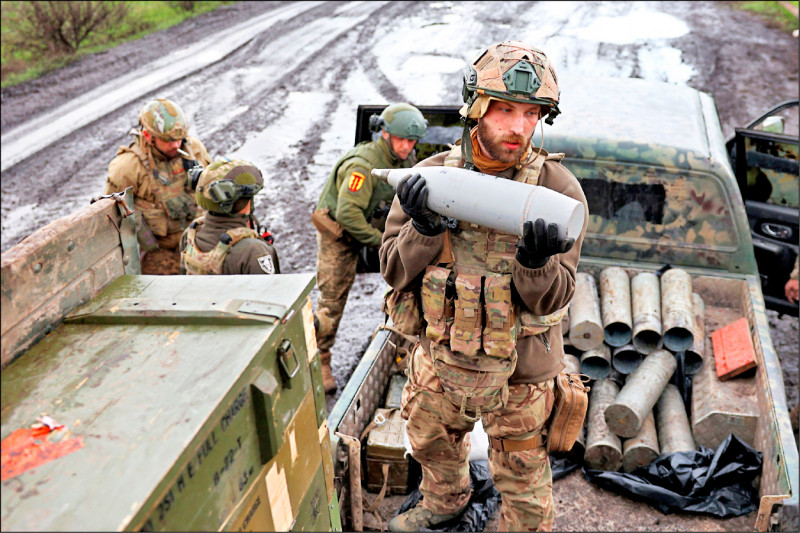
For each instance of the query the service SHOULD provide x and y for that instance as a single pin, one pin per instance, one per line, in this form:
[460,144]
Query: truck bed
[581,505]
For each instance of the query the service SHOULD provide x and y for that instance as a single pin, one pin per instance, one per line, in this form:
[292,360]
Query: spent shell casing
[640,393]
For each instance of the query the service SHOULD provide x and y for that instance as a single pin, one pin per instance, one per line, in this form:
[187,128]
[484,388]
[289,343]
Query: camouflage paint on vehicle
[658,204]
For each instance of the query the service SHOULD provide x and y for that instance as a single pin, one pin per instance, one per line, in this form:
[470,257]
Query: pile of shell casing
[627,334]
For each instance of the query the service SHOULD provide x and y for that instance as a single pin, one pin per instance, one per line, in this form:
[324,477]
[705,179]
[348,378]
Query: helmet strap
[466,141]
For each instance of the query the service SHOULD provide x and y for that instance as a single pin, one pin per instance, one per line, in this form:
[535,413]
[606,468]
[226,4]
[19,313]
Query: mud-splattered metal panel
[183,390]
[59,267]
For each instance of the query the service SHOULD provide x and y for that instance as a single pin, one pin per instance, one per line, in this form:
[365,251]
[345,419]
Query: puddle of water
[640,25]
[267,147]
[418,55]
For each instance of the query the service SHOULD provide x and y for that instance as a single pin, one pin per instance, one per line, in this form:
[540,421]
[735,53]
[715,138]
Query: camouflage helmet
[400,120]
[164,119]
[225,186]
[511,71]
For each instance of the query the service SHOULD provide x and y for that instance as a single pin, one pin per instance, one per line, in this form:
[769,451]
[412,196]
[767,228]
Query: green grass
[21,63]
[773,13]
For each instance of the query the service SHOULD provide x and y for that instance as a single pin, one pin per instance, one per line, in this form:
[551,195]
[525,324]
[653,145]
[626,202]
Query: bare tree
[61,27]
[183,5]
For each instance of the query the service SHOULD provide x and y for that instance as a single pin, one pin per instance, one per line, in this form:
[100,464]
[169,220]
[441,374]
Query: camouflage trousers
[336,271]
[439,437]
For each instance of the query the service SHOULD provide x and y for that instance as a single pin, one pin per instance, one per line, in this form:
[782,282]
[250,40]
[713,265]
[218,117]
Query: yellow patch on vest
[355,182]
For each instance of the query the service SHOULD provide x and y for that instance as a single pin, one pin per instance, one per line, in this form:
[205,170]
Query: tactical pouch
[437,309]
[473,386]
[325,224]
[403,308]
[500,333]
[571,399]
[465,333]
[180,207]
[147,241]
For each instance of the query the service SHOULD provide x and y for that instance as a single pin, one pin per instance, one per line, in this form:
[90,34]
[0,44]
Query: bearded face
[505,131]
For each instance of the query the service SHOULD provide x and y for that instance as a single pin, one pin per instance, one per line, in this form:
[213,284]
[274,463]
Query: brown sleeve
[251,256]
[123,172]
[549,288]
[199,152]
[405,252]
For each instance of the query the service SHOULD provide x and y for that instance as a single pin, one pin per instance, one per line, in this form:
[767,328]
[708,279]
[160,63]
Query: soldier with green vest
[351,213]
[225,240]
[162,165]
[491,303]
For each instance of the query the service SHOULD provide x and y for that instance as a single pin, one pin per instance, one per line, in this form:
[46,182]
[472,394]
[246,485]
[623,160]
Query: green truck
[135,402]
[653,163]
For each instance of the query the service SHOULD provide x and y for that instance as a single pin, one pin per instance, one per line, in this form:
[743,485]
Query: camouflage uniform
[353,195]
[436,427]
[492,306]
[248,254]
[439,436]
[167,208]
[162,193]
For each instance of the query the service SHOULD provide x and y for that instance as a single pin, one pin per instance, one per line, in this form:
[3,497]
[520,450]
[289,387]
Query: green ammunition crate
[187,403]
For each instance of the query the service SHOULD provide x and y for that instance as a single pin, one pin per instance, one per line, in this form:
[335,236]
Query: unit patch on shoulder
[265,261]
[355,182]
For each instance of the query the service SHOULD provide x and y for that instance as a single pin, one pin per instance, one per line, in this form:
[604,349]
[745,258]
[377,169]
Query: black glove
[193,169]
[538,244]
[413,195]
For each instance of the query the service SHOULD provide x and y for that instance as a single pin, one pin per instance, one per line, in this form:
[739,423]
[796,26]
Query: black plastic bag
[561,465]
[481,507]
[718,483]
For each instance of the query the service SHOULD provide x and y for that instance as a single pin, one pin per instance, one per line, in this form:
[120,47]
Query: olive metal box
[386,445]
[192,403]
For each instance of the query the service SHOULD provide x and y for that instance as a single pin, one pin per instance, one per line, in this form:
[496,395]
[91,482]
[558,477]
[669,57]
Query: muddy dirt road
[286,99]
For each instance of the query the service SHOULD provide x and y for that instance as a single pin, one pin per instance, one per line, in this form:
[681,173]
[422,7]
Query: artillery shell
[642,449]
[693,358]
[596,363]
[641,391]
[677,316]
[674,431]
[586,323]
[626,359]
[646,308]
[615,297]
[603,448]
[572,363]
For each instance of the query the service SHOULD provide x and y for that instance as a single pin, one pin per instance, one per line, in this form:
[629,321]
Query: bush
[59,28]
[185,5]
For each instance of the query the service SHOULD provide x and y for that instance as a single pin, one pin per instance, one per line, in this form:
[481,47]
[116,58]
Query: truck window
[640,212]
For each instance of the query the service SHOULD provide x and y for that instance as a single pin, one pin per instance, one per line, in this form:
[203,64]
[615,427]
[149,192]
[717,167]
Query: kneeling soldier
[225,240]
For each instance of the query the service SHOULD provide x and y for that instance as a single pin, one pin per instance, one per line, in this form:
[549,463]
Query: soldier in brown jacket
[492,304]
[162,165]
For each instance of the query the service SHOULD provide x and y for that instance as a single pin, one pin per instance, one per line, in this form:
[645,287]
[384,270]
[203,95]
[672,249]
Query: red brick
[733,349]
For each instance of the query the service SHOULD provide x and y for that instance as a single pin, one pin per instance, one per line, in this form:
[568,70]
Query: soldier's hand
[538,243]
[412,192]
[193,170]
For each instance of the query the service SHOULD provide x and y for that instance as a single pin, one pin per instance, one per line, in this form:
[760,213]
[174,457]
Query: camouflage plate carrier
[474,370]
[169,189]
[196,262]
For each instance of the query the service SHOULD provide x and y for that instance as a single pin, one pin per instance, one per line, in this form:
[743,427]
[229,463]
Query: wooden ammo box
[182,403]
[386,445]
